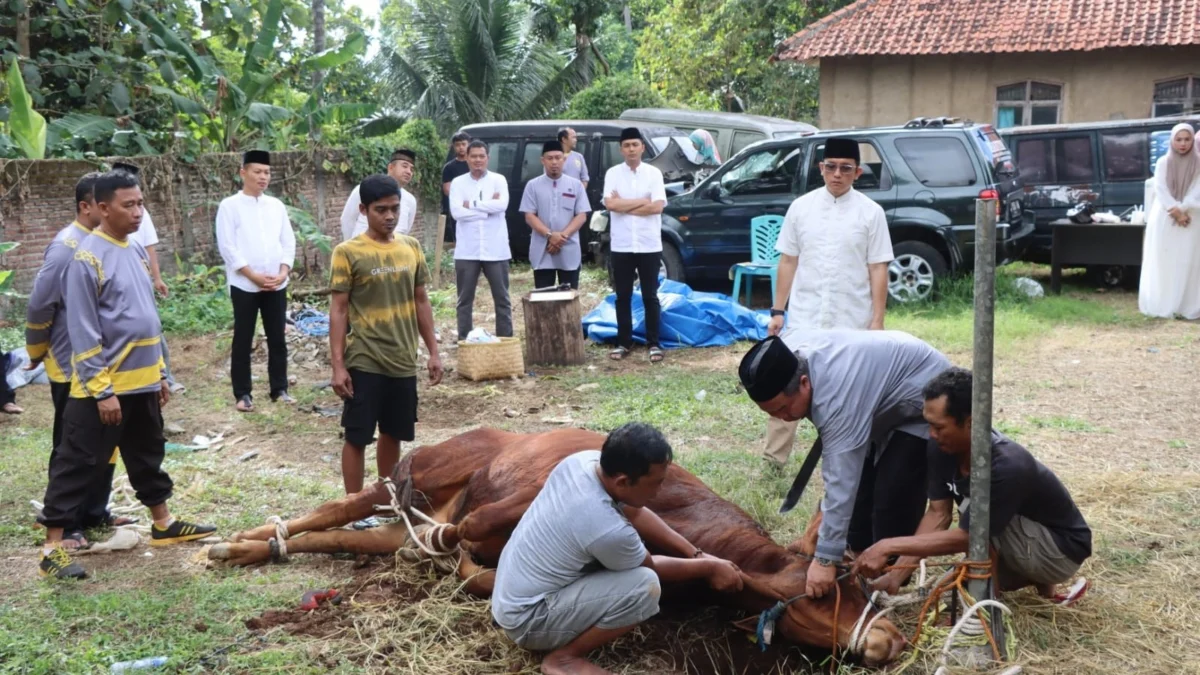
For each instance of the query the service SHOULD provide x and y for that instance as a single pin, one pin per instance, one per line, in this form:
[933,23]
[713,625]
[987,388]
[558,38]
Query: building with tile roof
[1009,62]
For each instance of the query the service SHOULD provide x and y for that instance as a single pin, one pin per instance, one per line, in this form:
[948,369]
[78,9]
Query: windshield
[995,152]
[660,144]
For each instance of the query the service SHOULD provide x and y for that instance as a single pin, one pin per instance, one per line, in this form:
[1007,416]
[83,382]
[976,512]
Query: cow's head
[811,622]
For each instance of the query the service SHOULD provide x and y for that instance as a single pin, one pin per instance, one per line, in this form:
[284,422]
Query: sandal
[656,355]
[121,521]
[81,542]
[618,353]
[1073,594]
[245,404]
[13,409]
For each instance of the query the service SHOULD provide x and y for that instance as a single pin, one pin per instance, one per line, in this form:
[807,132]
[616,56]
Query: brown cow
[482,481]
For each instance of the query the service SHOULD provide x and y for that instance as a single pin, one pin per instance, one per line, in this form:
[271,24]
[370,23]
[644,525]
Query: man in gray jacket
[862,391]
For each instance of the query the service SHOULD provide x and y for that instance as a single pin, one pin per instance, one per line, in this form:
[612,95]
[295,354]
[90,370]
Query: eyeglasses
[834,167]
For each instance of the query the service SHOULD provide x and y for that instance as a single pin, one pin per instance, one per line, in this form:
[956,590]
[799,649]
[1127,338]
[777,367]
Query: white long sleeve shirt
[254,232]
[354,222]
[481,231]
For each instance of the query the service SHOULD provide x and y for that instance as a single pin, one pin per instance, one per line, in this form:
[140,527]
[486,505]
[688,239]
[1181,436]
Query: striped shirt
[116,336]
[46,336]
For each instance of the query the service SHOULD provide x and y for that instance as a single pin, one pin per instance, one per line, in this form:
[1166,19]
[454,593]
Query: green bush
[370,156]
[606,99]
[199,302]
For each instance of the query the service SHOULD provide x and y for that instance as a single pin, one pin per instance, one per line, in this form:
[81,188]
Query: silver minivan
[731,131]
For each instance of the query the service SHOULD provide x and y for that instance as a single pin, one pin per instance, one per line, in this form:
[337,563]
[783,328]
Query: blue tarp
[689,319]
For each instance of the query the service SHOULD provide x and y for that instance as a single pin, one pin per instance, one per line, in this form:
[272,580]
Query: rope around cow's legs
[436,529]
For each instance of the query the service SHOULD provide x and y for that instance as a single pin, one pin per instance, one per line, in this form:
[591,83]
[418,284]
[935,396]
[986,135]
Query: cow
[477,485]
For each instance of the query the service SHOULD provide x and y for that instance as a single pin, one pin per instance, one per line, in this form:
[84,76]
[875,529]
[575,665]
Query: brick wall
[37,199]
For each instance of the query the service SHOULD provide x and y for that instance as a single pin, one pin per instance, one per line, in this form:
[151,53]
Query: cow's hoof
[221,551]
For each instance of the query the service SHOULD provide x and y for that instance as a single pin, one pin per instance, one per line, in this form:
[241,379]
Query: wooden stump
[553,329]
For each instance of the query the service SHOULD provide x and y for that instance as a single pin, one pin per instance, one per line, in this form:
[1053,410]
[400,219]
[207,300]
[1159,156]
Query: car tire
[914,273]
[671,265]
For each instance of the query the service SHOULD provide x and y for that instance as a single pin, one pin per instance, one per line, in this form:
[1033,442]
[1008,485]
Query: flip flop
[81,542]
[120,521]
[618,353]
[13,409]
[1073,594]
[656,355]
[245,404]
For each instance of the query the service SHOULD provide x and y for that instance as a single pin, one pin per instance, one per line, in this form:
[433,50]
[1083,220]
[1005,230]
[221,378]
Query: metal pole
[981,394]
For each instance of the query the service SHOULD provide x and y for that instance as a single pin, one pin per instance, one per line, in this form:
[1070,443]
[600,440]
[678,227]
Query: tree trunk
[628,18]
[23,32]
[553,331]
[318,27]
[584,45]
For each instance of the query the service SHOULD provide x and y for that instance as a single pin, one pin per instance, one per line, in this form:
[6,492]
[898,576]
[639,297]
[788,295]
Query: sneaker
[58,564]
[178,532]
[366,523]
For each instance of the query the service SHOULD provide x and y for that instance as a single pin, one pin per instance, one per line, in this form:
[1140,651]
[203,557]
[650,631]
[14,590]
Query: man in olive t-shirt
[378,283]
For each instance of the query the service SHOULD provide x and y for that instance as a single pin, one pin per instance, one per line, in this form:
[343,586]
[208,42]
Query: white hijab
[1182,170]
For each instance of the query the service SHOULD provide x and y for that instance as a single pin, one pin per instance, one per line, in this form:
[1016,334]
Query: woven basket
[491,360]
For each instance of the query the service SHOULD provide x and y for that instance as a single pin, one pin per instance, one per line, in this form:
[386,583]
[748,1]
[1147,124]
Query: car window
[743,138]
[995,152]
[1056,160]
[766,172]
[661,143]
[875,174]
[531,163]
[612,154]
[1126,156]
[938,161]
[502,156]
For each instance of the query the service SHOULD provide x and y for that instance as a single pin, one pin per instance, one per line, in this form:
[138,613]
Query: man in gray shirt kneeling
[575,574]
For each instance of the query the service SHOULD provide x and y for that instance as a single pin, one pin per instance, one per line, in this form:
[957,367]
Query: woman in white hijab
[1170,284]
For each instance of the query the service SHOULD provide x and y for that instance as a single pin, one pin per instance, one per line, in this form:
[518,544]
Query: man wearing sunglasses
[834,252]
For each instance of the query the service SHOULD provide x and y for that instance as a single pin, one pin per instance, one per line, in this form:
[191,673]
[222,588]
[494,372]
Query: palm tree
[470,61]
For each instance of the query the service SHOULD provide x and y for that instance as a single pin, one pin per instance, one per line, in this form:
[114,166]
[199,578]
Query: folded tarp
[689,319]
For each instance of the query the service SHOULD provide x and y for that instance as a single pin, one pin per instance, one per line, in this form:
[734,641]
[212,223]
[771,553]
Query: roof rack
[934,122]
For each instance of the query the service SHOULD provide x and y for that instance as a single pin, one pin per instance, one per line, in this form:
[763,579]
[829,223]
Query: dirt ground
[1112,409]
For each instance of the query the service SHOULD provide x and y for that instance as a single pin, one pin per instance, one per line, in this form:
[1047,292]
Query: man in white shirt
[478,200]
[400,168]
[147,236]
[575,165]
[634,195]
[258,246]
[834,252]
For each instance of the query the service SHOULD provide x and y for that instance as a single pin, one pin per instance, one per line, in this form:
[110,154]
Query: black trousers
[87,444]
[246,308]
[546,278]
[6,395]
[645,266]
[891,494]
[93,512]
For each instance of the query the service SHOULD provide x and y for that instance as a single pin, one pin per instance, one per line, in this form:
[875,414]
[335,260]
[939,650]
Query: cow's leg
[491,520]
[328,515]
[377,541]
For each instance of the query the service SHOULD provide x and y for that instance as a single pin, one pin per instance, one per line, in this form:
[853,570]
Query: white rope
[967,618]
[435,527]
[281,529]
[858,637]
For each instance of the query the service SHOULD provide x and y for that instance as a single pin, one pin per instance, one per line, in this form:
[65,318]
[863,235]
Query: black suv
[515,151]
[926,175]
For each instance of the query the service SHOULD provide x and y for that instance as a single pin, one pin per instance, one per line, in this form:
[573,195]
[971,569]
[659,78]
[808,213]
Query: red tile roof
[906,27]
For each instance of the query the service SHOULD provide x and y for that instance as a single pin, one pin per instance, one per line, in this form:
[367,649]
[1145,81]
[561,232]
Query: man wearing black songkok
[862,391]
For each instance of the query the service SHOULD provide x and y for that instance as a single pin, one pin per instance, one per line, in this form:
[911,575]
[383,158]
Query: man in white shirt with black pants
[634,195]
[258,246]
[834,253]
[478,200]
[400,167]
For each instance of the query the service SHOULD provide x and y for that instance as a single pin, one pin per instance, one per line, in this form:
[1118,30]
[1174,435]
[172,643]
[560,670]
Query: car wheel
[671,265]
[913,275]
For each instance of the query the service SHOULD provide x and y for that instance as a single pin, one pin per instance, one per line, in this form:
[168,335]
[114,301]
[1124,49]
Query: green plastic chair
[764,232]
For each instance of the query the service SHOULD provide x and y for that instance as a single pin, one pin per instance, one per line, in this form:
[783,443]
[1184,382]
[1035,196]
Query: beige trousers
[781,438]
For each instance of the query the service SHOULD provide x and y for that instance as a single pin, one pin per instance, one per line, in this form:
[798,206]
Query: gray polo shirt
[866,384]
[555,202]
[576,167]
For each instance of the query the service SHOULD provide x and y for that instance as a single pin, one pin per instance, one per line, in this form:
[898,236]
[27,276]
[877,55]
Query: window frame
[1189,104]
[1027,104]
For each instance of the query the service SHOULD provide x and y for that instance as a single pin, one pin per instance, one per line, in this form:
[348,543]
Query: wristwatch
[823,562]
[777,312]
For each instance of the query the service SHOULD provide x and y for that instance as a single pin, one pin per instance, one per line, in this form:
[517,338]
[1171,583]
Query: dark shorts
[389,402]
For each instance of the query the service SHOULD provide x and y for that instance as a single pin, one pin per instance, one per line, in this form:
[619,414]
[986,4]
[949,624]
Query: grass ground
[1103,396]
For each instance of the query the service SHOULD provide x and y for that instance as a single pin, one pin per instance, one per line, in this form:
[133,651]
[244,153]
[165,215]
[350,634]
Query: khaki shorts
[1029,555]
[604,599]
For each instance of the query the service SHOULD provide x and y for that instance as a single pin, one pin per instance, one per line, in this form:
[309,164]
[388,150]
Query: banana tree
[232,113]
[26,128]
